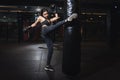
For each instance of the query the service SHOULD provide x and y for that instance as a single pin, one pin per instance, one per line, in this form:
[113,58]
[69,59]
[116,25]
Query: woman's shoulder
[40,17]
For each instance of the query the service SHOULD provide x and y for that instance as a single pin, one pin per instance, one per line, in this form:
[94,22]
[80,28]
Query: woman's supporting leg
[49,44]
[50,50]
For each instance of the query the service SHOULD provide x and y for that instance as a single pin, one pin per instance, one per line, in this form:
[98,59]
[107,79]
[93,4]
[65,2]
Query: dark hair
[43,10]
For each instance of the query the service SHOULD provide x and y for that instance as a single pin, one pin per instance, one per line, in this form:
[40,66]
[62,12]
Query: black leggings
[46,36]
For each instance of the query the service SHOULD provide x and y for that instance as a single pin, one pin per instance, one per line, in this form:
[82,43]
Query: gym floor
[26,61]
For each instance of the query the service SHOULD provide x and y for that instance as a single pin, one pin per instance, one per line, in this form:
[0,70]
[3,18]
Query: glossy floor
[25,61]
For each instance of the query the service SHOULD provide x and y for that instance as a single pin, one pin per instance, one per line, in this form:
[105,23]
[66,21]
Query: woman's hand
[55,18]
[56,15]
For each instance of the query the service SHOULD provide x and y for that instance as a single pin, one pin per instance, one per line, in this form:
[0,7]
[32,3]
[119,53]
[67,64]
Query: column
[20,26]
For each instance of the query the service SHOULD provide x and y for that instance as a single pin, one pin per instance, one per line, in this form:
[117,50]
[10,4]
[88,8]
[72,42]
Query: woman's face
[45,14]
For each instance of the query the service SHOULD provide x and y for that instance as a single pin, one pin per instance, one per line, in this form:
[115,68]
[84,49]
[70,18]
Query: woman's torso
[45,22]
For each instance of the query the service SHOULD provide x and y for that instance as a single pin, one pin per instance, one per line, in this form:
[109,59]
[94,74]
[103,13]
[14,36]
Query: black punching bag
[72,39]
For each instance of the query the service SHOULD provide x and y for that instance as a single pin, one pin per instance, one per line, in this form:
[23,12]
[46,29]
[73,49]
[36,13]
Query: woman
[47,28]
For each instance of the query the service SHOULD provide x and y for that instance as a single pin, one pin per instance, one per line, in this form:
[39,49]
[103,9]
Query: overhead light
[25,6]
[60,8]
[116,6]
[38,9]
[4,17]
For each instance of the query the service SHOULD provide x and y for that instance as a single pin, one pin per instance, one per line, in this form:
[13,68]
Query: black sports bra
[45,23]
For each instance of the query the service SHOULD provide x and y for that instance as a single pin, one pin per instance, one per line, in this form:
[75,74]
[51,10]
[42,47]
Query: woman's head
[44,13]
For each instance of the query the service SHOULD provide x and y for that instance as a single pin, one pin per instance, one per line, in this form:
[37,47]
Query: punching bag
[72,38]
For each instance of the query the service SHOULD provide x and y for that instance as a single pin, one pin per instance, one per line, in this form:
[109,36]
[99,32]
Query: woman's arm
[33,24]
[54,18]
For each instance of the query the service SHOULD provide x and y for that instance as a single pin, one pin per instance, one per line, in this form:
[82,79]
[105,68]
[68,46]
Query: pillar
[20,26]
[114,28]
